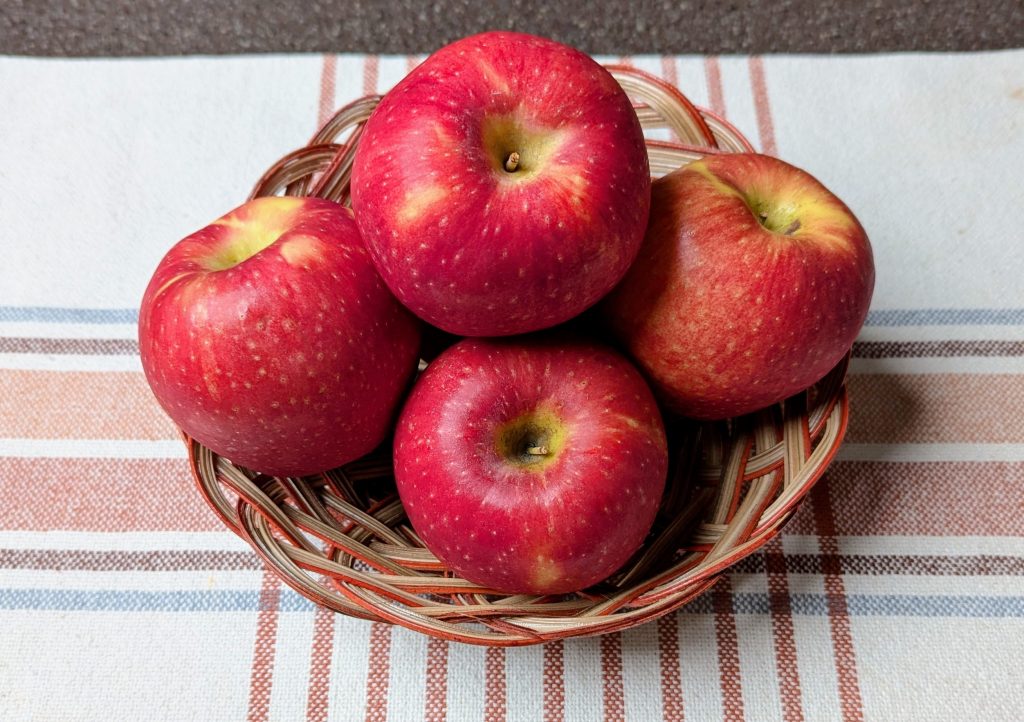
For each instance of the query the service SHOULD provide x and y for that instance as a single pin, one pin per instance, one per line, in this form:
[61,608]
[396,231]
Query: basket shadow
[885,409]
[885,412]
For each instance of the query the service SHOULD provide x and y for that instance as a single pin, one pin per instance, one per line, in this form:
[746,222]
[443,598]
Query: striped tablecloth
[897,593]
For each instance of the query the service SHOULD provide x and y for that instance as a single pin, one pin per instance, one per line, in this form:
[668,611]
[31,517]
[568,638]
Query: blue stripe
[884,317]
[247,600]
[947,317]
[51,314]
[869,605]
[87,600]
[890,605]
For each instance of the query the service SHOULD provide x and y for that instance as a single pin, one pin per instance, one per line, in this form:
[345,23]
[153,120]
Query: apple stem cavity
[512,162]
[772,224]
[538,450]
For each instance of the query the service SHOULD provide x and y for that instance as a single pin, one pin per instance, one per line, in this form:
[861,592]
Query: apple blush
[269,337]
[752,283]
[530,466]
[502,186]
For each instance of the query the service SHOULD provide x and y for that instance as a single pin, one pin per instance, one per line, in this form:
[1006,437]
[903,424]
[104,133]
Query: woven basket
[341,538]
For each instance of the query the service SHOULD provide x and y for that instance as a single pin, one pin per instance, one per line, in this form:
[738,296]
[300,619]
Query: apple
[503,185]
[529,465]
[752,283]
[269,337]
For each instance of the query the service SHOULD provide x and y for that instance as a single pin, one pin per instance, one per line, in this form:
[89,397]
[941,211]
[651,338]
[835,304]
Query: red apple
[752,283]
[503,185]
[531,466]
[269,337]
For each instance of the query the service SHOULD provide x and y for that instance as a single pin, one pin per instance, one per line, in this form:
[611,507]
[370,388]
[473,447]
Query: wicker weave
[341,538]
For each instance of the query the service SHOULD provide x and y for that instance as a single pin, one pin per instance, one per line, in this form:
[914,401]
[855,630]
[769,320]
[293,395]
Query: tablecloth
[896,593]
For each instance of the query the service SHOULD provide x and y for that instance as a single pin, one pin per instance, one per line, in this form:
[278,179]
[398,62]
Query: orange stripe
[728,650]
[80,405]
[713,73]
[671,673]
[554,682]
[611,677]
[320,665]
[494,685]
[102,495]
[371,70]
[436,708]
[669,71]
[328,74]
[670,74]
[838,613]
[759,86]
[890,408]
[782,632]
[261,680]
[886,408]
[378,673]
[899,498]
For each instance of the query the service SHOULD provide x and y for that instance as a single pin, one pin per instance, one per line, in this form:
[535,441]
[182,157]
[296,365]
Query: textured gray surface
[162,27]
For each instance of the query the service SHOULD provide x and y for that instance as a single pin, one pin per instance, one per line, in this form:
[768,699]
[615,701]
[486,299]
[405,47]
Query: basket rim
[315,533]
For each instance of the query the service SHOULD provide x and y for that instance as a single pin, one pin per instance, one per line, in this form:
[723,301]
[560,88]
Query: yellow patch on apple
[301,251]
[419,200]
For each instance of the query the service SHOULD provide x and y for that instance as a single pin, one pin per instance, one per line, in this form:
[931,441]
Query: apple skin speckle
[214,311]
[555,525]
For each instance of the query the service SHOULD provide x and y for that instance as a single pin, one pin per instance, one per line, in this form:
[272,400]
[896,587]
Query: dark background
[168,27]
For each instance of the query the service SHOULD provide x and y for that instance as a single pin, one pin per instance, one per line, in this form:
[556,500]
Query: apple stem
[512,162]
[537,450]
[793,228]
